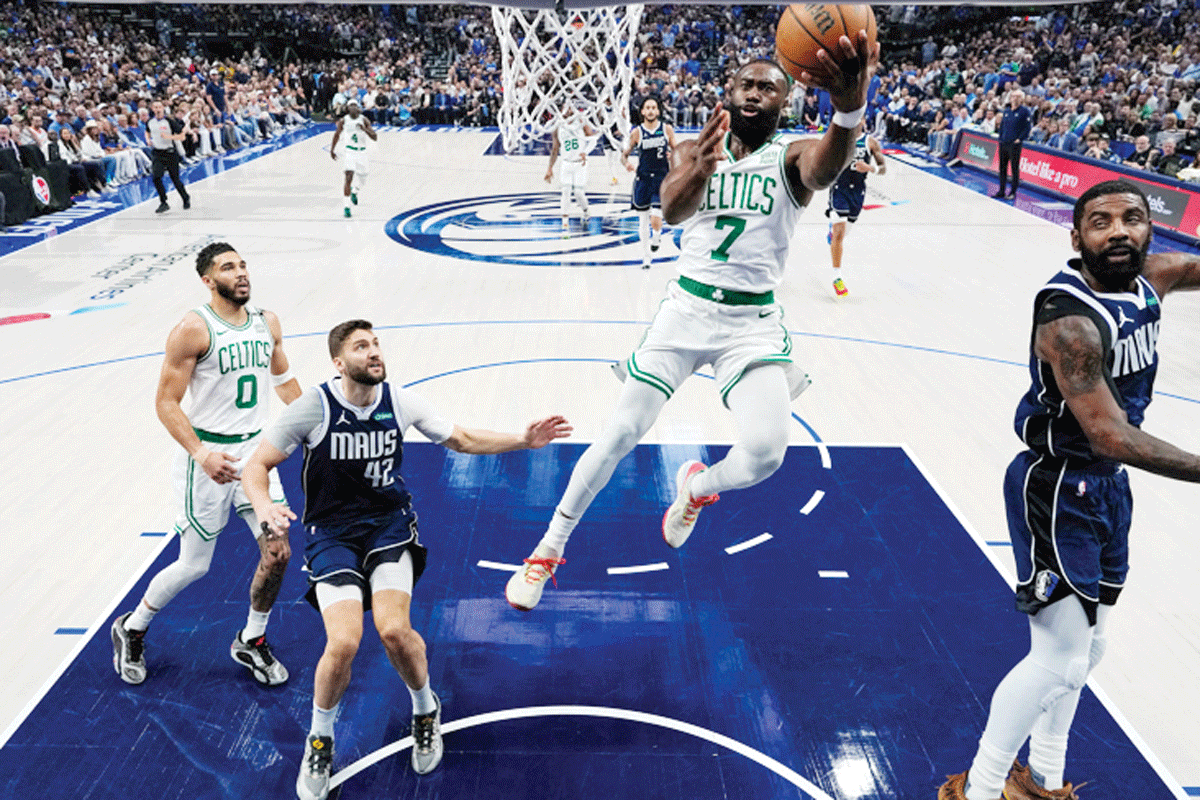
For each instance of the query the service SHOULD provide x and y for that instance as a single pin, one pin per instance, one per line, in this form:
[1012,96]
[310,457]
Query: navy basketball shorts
[1070,531]
[846,202]
[348,554]
[645,192]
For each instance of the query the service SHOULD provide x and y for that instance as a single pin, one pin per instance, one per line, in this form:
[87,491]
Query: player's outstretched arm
[692,164]
[539,433]
[256,484]
[185,344]
[286,386]
[1172,272]
[816,163]
[1072,347]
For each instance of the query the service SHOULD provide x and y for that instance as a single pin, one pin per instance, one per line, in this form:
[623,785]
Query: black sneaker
[315,769]
[187,203]
[256,656]
[161,208]
[129,651]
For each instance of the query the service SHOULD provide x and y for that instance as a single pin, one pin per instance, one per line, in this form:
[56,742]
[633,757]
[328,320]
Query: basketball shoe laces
[137,644]
[694,504]
[540,567]
[263,649]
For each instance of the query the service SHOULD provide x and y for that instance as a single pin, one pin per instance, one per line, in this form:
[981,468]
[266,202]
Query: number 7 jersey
[740,235]
[231,382]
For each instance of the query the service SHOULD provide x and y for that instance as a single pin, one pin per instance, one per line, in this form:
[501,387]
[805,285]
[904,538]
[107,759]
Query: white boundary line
[783,771]
[746,545]
[83,641]
[658,566]
[816,498]
[497,565]
[832,573]
[1138,742]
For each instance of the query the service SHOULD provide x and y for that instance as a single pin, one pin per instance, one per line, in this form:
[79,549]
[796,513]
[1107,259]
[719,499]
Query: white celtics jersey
[353,133]
[739,237]
[571,140]
[231,383]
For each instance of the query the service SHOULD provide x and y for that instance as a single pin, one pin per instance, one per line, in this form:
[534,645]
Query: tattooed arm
[1071,346]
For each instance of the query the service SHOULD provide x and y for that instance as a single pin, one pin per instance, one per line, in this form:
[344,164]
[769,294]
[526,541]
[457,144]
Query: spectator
[1142,155]
[1169,162]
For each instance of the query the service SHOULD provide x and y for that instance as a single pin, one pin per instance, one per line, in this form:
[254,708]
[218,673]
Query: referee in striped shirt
[163,135]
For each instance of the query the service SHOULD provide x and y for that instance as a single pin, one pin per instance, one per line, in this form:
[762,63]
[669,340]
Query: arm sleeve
[417,411]
[299,419]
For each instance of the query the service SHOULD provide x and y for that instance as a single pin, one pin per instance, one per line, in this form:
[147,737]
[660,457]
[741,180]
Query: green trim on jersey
[224,438]
[726,297]
[638,373]
[212,335]
[791,192]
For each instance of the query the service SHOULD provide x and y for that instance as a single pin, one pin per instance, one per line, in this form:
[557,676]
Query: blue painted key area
[750,676]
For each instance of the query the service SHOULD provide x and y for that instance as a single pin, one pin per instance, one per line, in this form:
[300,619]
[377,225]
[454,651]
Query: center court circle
[524,230]
[782,770]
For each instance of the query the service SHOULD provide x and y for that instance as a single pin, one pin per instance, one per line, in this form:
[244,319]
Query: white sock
[422,700]
[988,773]
[256,625]
[322,720]
[835,273]
[557,533]
[141,617]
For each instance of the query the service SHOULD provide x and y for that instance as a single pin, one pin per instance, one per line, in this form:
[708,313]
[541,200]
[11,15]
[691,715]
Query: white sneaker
[524,588]
[129,651]
[680,519]
[313,780]
[427,740]
[256,656]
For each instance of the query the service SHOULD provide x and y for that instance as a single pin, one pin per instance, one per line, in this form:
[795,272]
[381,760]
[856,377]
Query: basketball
[805,28]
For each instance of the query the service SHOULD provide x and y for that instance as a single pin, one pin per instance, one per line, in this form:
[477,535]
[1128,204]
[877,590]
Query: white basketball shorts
[689,332]
[204,503]
[573,173]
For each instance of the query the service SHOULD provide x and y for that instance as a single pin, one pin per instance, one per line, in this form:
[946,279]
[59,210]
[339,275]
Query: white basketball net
[547,63]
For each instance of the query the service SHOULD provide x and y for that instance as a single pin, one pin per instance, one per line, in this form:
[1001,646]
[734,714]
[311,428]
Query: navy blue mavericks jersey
[852,179]
[652,152]
[353,473]
[1128,323]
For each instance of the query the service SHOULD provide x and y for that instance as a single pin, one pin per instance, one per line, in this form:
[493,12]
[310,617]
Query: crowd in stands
[1117,81]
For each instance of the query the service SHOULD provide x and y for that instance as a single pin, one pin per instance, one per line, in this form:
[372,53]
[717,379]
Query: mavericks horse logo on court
[526,229]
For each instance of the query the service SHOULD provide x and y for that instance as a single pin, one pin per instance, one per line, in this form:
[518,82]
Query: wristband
[849,119]
[280,380]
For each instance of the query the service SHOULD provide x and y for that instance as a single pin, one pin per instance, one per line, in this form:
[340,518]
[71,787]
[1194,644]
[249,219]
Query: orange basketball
[805,28]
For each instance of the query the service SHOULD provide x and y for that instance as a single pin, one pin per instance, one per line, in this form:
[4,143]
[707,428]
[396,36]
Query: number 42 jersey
[352,454]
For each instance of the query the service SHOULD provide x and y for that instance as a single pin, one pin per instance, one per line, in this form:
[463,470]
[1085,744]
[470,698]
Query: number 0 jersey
[739,236]
[231,382]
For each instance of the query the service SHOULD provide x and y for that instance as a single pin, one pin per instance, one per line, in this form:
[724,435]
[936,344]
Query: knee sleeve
[1099,643]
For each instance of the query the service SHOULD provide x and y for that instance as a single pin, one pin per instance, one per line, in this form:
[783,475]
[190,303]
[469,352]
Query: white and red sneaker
[680,519]
[524,588]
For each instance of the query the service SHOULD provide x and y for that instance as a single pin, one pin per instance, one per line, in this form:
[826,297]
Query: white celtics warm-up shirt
[739,237]
[571,141]
[352,130]
[232,380]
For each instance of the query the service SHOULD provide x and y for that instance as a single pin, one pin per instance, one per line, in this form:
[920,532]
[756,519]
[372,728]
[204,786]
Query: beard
[755,130]
[363,375]
[1115,275]
[230,294]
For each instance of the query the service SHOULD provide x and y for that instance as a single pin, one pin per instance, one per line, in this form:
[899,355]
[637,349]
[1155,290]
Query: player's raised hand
[710,147]
[847,73]
[543,431]
[218,466]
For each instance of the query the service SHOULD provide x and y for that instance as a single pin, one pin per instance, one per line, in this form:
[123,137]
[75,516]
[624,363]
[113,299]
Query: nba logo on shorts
[1044,584]
[41,189]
